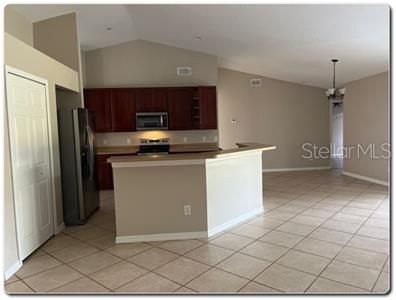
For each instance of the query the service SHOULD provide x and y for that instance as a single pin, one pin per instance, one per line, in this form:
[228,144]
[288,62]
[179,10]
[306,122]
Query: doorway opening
[337,135]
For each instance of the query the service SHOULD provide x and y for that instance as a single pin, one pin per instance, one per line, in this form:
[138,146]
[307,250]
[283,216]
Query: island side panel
[150,200]
[234,190]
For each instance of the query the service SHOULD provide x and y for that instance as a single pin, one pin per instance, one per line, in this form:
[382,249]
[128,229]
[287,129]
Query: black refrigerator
[77,155]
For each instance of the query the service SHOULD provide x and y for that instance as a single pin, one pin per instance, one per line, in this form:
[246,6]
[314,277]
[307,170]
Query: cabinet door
[122,110]
[180,102]
[208,107]
[104,176]
[151,99]
[98,102]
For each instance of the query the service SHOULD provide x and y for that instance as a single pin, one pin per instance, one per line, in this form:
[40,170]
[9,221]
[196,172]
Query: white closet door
[28,126]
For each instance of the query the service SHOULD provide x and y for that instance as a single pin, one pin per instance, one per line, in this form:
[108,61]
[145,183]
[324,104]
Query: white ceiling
[288,42]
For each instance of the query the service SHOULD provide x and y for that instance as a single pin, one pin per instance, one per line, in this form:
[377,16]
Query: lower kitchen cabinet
[104,172]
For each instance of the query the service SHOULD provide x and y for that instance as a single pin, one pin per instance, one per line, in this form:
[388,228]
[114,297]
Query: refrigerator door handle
[90,152]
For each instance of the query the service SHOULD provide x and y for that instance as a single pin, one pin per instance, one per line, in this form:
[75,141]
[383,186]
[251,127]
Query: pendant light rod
[334,60]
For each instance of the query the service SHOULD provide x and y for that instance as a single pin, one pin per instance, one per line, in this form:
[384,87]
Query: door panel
[122,110]
[208,107]
[29,143]
[180,102]
[98,102]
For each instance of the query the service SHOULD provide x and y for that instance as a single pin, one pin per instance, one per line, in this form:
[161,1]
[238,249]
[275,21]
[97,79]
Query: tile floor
[321,233]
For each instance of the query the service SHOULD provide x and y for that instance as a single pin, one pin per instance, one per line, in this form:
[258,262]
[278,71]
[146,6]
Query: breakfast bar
[184,196]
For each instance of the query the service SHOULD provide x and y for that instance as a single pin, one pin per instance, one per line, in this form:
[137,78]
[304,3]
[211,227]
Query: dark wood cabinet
[122,110]
[207,107]
[180,106]
[151,99]
[98,102]
[104,173]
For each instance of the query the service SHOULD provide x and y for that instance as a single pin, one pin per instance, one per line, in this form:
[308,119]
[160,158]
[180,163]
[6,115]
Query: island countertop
[120,161]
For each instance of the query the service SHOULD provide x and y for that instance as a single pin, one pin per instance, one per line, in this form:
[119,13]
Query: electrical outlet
[128,141]
[104,142]
[204,139]
[185,139]
[187,210]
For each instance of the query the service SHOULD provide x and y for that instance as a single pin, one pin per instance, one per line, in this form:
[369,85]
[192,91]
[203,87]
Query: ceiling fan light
[342,91]
[327,93]
[331,91]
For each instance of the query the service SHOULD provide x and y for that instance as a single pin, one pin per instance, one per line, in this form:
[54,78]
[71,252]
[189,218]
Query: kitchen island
[184,196]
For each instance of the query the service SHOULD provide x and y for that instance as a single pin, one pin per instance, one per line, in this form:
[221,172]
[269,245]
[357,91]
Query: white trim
[297,169]
[161,237]
[59,228]
[235,221]
[366,178]
[12,270]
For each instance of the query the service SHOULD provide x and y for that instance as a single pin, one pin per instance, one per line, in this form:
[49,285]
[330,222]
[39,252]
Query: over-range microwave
[151,121]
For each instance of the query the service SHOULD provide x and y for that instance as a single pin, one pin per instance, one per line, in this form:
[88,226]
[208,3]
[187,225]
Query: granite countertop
[175,148]
[244,147]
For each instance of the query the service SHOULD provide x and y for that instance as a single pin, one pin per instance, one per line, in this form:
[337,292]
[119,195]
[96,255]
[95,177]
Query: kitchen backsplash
[175,137]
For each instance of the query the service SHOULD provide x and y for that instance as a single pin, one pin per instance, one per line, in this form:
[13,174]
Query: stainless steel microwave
[151,121]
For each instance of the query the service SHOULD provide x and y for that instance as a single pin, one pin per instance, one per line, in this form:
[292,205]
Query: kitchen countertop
[202,156]
[175,148]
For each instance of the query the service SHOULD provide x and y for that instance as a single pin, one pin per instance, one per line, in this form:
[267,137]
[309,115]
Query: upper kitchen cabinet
[122,110]
[180,108]
[98,101]
[208,107]
[151,100]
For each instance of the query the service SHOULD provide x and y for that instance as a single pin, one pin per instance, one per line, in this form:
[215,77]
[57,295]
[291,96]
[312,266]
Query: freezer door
[89,199]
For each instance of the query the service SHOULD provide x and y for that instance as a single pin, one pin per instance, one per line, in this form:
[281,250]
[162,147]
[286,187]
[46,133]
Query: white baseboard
[12,270]
[161,237]
[366,178]
[59,228]
[297,169]
[235,221]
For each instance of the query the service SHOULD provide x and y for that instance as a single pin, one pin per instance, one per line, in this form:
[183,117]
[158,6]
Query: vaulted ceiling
[287,42]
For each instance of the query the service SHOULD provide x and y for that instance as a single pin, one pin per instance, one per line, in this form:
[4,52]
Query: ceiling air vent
[184,71]
[255,82]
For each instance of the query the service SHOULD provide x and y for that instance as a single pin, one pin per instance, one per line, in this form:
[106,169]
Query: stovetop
[153,146]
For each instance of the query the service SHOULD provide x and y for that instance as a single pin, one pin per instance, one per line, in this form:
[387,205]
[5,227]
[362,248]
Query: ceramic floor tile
[149,283]
[53,278]
[351,274]
[336,237]
[58,243]
[118,274]
[185,290]
[217,281]
[34,265]
[209,254]
[152,258]
[308,220]
[243,265]
[282,238]
[383,223]
[382,286]
[74,252]
[295,228]
[91,233]
[180,247]
[94,262]
[266,251]
[374,232]
[103,243]
[321,213]
[285,279]
[304,262]
[182,270]
[128,250]
[364,258]
[340,226]
[266,222]
[250,231]
[367,243]
[256,288]
[349,218]
[318,247]
[325,286]
[81,286]
[231,241]
[280,215]
[18,287]
[12,279]
[356,211]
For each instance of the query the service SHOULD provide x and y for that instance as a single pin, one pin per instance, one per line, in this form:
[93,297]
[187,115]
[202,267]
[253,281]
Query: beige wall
[57,37]
[17,25]
[142,63]
[366,121]
[278,113]
[25,58]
